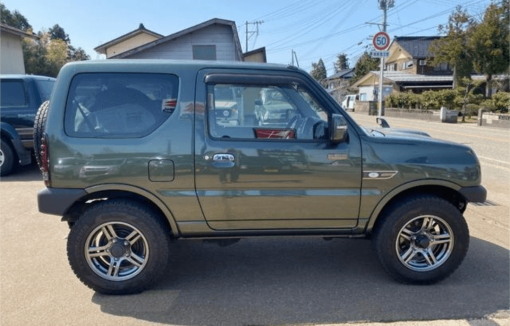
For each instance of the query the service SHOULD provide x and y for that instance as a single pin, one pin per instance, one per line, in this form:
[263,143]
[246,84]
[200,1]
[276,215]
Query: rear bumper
[477,194]
[55,201]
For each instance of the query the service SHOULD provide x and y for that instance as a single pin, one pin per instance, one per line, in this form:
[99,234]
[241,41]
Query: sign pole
[380,112]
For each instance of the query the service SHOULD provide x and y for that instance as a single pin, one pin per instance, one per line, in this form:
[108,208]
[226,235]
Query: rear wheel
[7,162]
[118,247]
[422,240]
[39,127]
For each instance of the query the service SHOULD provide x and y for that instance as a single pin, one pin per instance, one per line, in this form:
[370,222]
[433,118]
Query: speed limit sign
[381,41]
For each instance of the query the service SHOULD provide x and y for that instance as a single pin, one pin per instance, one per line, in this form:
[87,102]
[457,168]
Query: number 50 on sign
[381,41]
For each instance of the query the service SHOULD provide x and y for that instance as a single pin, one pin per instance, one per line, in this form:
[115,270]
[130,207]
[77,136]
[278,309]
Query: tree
[453,48]
[58,33]
[490,44]
[342,62]
[364,65]
[50,52]
[44,56]
[14,19]
[78,54]
[319,72]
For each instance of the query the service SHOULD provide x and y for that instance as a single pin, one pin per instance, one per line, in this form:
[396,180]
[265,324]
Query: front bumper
[476,194]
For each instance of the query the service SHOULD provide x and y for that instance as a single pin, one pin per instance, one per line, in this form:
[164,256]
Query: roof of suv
[182,63]
[20,76]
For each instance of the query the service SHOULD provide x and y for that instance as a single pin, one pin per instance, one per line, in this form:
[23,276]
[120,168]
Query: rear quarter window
[45,88]
[118,105]
[13,93]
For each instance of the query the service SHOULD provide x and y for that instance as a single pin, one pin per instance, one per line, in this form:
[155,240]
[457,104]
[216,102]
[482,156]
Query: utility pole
[250,33]
[383,5]
[294,55]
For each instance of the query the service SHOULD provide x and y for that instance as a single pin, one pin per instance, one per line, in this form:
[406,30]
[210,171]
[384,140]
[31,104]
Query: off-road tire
[150,225]
[8,156]
[398,216]
[39,127]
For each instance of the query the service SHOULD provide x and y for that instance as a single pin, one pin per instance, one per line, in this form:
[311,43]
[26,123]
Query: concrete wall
[366,107]
[11,56]
[182,47]
[129,44]
[496,120]
[426,115]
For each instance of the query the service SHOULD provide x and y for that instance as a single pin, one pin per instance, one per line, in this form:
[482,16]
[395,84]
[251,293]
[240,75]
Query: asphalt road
[263,281]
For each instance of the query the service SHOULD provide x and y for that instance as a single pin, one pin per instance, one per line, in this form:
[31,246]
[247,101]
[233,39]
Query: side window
[13,93]
[117,105]
[264,112]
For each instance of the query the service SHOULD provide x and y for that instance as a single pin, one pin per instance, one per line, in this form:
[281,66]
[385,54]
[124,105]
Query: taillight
[45,160]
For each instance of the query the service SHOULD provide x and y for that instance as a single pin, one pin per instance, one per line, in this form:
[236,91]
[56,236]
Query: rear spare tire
[39,126]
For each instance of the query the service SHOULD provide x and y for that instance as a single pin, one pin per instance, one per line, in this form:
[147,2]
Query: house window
[441,67]
[204,52]
[407,64]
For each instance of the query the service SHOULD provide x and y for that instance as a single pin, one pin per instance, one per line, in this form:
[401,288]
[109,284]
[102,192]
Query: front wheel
[118,247]
[422,240]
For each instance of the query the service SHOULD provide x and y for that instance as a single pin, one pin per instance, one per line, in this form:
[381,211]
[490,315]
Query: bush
[501,101]
[472,110]
[430,101]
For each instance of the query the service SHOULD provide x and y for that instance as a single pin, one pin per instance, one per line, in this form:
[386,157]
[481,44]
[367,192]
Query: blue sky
[314,29]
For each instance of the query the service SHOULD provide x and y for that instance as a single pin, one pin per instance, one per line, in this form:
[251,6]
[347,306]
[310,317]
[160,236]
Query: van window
[117,105]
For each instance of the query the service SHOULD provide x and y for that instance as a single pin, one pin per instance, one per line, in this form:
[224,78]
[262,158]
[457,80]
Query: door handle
[223,161]
[222,157]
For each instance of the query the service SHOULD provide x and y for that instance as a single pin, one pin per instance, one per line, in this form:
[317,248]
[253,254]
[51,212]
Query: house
[11,61]
[257,55]
[410,54]
[215,39]
[128,41]
[337,84]
[408,68]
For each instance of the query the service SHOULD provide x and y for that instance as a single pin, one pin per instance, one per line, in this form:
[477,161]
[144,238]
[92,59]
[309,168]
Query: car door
[267,162]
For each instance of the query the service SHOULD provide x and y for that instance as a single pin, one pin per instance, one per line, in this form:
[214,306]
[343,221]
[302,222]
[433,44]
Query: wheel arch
[109,192]
[440,188]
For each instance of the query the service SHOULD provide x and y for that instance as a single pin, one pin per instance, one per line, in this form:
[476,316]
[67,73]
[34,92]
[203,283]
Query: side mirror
[258,102]
[337,129]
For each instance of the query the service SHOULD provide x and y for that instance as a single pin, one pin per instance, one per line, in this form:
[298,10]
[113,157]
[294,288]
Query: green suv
[135,155]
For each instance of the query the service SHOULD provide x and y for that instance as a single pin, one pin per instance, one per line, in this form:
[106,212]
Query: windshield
[45,87]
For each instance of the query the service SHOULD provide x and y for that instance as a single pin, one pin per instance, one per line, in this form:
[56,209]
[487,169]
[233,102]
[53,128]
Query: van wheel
[422,240]
[39,127]
[118,247]
[6,159]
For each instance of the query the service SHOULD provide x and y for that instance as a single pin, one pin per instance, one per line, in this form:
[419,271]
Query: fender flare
[149,196]
[14,138]
[395,192]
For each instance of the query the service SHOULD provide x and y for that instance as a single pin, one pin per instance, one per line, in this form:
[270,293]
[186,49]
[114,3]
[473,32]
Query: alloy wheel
[424,243]
[116,251]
